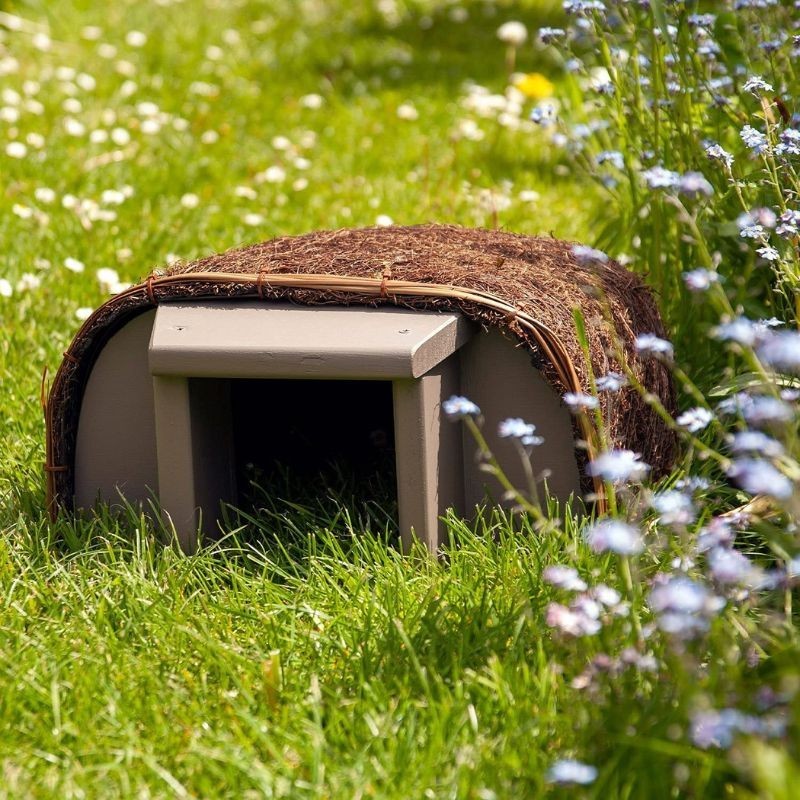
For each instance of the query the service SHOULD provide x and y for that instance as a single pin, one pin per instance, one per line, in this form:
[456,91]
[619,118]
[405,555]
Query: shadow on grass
[441,47]
[280,515]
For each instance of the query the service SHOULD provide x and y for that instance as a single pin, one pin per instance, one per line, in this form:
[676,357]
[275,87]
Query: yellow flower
[535,86]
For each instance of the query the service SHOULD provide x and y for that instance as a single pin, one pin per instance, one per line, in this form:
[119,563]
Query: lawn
[302,655]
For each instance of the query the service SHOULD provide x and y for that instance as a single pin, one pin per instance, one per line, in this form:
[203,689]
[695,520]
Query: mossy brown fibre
[527,286]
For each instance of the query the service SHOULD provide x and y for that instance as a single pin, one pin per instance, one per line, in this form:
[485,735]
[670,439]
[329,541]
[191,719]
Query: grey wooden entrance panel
[415,350]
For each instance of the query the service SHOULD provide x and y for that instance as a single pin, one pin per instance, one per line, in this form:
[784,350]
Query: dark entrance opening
[309,438]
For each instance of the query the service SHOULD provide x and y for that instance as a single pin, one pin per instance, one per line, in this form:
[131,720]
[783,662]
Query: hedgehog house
[341,347]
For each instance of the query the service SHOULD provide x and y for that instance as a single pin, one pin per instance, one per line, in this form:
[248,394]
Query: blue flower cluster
[686,119]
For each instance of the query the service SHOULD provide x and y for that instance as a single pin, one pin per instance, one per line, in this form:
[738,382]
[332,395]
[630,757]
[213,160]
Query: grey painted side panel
[499,377]
[116,440]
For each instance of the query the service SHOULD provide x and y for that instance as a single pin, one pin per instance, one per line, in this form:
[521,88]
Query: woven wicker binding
[525,285]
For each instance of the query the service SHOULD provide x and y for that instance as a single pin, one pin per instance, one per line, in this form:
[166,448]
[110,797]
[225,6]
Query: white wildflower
[513,33]
[28,281]
[190,200]
[44,195]
[107,277]
[23,212]
[112,197]
[247,192]
[120,137]
[407,111]
[73,265]
[135,39]
[73,127]
[312,101]
[16,150]
[273,174]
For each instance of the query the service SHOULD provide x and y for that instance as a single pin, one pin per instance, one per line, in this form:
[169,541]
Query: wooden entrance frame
[414,350]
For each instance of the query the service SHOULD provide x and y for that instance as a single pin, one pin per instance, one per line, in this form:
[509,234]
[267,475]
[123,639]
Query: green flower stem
[633,597]
[491,461]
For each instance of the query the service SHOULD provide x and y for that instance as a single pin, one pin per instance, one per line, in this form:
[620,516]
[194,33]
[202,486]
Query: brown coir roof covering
[525,285]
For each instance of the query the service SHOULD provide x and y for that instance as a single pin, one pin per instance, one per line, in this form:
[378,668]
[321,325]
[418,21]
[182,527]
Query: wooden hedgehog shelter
[169,386]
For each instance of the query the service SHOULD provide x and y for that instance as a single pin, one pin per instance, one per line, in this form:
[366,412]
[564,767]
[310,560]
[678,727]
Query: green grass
[308,662]
[302,656]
